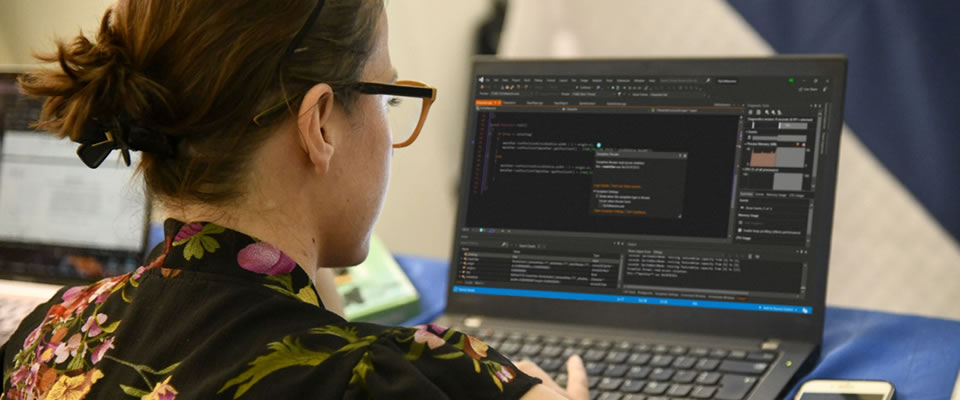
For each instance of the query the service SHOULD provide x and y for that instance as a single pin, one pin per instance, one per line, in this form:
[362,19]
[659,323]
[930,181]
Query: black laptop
[668,220]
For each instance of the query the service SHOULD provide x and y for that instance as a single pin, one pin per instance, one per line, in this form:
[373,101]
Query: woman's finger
[577,386]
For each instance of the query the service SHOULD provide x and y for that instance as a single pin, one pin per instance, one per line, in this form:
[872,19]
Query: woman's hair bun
[96,80]
[197,72]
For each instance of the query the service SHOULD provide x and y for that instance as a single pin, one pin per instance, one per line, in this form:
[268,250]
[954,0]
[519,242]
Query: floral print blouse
[217,314]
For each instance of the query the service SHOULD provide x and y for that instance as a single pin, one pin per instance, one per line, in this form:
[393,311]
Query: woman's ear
[314,127]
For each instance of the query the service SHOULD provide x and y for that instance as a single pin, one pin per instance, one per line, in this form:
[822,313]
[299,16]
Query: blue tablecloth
[919,355]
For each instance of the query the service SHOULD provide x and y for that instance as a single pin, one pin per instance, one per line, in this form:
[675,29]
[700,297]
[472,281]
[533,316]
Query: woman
[264,136]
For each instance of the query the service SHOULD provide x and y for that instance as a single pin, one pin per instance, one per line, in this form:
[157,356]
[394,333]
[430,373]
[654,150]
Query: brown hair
[199,70]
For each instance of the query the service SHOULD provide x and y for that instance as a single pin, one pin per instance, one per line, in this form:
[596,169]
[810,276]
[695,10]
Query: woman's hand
[577,386]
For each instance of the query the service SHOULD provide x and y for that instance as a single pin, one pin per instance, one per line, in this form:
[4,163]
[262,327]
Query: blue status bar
[726,305]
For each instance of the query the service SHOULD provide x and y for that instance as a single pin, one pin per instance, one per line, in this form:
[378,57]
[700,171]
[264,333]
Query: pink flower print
[98,352]
[162,391]
[28,377]
[72,293]
[263,258]
[65,350]
[102,298]
[438,329]
[138,273]
[187,231]
[75,300]
[104,288]
[423,335]
[62,353]
[19,375]
[506,374]
[92,326]
[32,337]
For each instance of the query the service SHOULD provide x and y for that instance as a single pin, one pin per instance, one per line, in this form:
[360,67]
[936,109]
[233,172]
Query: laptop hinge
[473,321]
[770,345]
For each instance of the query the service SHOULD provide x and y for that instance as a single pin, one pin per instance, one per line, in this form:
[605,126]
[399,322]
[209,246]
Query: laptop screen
[61,220]
[690,189]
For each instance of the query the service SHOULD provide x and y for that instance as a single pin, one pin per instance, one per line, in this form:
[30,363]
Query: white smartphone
[829,389]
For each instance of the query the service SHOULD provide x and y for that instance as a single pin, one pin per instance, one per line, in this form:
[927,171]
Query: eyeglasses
[406,115]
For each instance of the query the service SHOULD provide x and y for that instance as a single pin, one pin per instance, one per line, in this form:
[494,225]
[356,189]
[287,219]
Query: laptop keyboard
[638,370]
[12,311]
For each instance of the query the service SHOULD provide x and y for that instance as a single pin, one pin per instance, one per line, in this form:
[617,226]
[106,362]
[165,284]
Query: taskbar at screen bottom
[660,301]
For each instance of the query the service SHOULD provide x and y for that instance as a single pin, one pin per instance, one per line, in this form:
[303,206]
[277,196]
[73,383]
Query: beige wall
[5,53]
[430,40]
[30,25]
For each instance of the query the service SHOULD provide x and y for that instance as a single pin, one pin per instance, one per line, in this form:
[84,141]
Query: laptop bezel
[7,70]
[754,324]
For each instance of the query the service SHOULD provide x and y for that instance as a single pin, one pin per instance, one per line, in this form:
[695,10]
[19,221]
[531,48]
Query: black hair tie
[122,133]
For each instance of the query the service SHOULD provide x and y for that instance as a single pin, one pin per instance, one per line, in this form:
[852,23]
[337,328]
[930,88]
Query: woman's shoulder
[166,331]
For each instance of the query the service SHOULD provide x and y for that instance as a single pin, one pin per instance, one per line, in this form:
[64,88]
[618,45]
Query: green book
[377,290]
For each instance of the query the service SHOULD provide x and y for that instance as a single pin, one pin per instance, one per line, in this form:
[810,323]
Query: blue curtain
[904,81]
